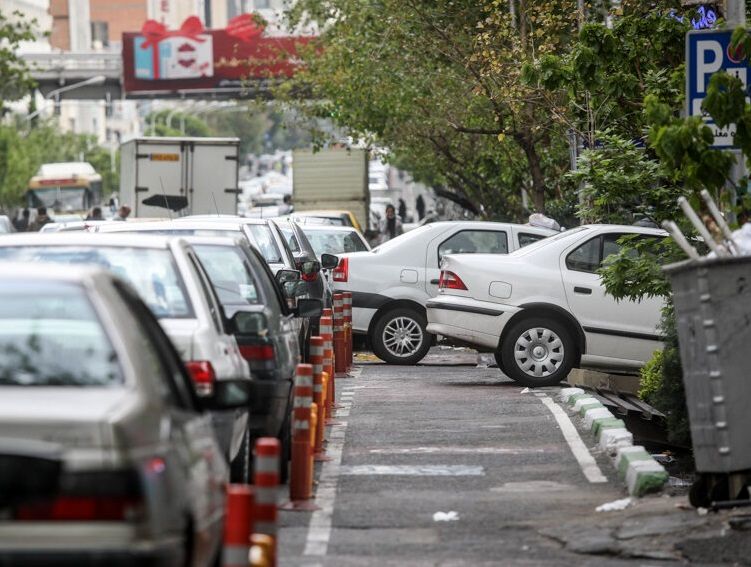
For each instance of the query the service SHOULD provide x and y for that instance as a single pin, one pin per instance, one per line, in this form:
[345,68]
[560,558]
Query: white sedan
[391,283]
[543,309]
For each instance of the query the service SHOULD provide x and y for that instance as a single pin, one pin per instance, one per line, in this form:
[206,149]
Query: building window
[100,34]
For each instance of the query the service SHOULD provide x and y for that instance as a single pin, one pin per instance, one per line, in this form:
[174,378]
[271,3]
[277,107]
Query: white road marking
[410,470]
[587,463]
[319,528]
[456,451]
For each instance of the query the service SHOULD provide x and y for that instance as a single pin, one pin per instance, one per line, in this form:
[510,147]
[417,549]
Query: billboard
[192,61]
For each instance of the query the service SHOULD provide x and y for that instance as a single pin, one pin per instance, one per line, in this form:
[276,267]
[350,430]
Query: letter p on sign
[708,61]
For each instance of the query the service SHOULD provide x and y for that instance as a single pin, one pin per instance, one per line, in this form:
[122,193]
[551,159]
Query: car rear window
[264,241]
[229,274]
[337,242]
[50,335]
[152,272]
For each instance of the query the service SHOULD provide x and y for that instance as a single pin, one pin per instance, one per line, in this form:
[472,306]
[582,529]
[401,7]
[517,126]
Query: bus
[67,188]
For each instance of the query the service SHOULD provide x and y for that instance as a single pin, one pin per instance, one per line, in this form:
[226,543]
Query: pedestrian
[40,221]
[95,214]
[286,207]
[122,213]
[402,209]
[391,226]
[22,224]
[420,206]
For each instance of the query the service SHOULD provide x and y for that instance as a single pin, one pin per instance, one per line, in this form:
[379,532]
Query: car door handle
[583,290]
[434,282]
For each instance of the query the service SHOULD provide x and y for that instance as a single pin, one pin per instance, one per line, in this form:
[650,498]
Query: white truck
[167,177]
[332,179]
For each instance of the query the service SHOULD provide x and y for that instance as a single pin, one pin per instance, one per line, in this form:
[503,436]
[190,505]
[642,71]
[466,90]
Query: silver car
[106,456]
[170,279]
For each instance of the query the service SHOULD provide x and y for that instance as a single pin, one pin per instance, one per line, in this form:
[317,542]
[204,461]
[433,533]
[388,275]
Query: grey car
[107,456]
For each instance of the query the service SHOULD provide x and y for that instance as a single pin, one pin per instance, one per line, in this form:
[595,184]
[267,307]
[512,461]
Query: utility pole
[735,13]
[582,13]
[735,16]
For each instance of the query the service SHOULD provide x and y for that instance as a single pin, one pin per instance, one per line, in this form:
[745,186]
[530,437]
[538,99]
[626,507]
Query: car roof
[328,228]
[86,239]
[188,224]
[215,240]
[75,273]
[628,228]
[490,224]
[213,219]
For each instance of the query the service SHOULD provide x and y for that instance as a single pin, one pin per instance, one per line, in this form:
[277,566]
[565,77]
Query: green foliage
[651,376]
[16,81]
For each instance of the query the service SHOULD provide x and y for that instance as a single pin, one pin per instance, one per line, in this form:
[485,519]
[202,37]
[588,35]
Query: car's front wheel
[538,352]
[400,337]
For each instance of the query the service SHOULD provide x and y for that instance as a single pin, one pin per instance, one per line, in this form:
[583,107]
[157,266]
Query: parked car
[391,283]
[106,454]
[170,279]
[262,234]
[544,309]
[264,328]
[336,218]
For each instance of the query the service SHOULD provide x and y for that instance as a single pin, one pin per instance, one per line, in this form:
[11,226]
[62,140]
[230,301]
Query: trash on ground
[524,391]
[446,516]
[614,506]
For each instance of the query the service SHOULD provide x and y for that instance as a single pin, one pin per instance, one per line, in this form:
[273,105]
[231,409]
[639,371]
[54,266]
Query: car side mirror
[286,276]
[248,323]
[309,307]
[329,261]
[228,394]
[310,267]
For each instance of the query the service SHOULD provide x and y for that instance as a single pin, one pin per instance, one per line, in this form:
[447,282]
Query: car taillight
[84,497]
[203,376]
[341,272]
[257,352]
[309,277]
[449,280]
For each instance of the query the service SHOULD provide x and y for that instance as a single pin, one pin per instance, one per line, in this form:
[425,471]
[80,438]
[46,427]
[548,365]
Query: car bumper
[468,320]
[83,546]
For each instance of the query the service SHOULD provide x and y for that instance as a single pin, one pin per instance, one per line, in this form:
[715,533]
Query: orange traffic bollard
[327,333]
[319,396]
[301,477]
[348,339]
[238,525]
[266,480]
[340,356]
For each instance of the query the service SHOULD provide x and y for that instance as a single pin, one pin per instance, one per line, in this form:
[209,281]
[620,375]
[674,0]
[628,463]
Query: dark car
[263,325]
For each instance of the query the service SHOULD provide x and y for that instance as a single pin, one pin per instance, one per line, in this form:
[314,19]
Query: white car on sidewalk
[543,309]
[391,283]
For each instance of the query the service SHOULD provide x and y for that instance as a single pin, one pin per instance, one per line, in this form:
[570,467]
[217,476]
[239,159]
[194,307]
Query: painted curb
[633,464]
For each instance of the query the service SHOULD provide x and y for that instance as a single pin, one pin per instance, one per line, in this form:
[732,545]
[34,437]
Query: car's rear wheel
[400,337]
[538,352]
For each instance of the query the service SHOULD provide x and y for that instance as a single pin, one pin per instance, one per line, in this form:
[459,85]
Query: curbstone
[595,413]
[606,423]
[584,400]
[627,455]
[587,407]
[613,439]
[576,397]
[566,393]
[643,477]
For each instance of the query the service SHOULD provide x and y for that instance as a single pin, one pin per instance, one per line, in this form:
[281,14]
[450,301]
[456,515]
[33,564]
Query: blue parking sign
[707,52]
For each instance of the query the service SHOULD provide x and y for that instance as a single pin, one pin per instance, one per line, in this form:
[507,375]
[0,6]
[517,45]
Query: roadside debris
[614,506]
[446,516]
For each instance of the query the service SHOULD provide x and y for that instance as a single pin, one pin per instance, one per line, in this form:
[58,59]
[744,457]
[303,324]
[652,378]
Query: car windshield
[229,274]
[265,243]
[151,271]
[334,242]
[50,336]
[289,236]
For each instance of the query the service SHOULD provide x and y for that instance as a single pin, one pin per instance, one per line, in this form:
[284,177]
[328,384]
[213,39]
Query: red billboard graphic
[234,62]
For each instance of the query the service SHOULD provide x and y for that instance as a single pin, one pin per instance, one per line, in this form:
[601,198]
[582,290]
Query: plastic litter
[538,219]
[446,516]
[614,506]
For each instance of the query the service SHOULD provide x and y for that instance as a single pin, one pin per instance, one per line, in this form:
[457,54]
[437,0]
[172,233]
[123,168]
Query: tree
[439,84]
[16,81]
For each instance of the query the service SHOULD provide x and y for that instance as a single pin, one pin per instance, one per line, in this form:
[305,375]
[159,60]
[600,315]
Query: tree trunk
[535,170]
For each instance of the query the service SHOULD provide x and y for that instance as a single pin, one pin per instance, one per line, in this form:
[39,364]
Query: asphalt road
[457,465]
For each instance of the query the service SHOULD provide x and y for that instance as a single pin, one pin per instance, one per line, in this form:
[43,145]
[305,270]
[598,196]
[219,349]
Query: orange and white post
[266,481]
[340,355]
[301,477]
[238,525]
[327,334]
[348,339]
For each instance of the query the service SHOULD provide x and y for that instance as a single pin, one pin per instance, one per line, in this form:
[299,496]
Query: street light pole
[97,80]
[735,13]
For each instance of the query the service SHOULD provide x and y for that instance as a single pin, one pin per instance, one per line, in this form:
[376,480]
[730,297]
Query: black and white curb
[634,464]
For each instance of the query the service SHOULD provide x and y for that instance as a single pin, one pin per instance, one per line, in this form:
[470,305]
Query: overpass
[52,71]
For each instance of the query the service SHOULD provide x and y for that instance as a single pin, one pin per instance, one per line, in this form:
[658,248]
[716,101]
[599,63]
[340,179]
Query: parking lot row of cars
[138,362]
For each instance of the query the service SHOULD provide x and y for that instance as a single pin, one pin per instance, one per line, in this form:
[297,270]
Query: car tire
[407,323]
[537,352]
